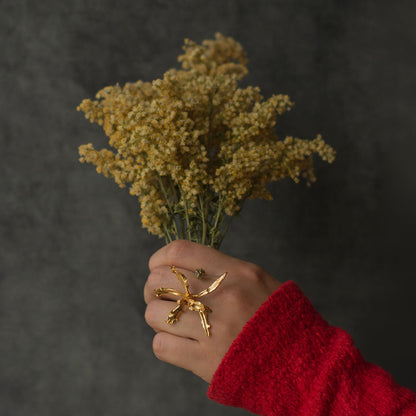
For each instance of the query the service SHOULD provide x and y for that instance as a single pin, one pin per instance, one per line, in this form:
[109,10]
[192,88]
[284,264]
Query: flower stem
[204,223]
[188,226]
[217,217]
[168,237]
[169,205]
[177,198]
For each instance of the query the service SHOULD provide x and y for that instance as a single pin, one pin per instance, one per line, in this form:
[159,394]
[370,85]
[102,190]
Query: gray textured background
[73,255]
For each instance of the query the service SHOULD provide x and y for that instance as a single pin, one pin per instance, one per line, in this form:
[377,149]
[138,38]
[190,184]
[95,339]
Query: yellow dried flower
[193,146]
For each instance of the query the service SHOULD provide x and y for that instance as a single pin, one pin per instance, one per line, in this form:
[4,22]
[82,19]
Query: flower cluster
[193,146]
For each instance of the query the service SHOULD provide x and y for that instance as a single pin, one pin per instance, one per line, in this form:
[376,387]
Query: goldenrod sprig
[193,145]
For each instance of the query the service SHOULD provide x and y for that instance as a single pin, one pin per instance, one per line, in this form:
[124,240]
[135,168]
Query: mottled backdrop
[73,255]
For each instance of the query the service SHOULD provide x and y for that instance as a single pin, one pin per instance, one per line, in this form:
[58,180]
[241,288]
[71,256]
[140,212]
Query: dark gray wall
[73,255]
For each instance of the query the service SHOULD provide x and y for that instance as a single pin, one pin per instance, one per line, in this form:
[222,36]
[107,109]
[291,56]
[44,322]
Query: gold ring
[189,299]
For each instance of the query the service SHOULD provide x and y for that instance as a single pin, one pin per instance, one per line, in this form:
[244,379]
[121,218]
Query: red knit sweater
[289,361]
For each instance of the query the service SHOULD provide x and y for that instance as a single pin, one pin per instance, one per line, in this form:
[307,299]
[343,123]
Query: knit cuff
[257,363]
[288,360]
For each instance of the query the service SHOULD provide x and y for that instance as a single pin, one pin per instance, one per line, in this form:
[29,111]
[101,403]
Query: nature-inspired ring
[189,299]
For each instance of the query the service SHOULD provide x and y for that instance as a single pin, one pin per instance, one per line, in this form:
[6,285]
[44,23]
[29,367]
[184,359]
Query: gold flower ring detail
[189,299]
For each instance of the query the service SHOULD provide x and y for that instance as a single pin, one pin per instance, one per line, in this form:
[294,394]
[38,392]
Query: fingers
[185,342]
[188,325]
[163,277]
[190,255]
[182,352]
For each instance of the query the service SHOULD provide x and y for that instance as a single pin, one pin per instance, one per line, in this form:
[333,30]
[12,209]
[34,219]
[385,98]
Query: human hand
[242,292]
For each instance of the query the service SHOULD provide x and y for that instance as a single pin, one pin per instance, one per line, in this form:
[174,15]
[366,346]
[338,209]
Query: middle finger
[187,324]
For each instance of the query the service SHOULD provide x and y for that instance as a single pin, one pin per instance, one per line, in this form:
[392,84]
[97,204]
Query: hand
[185,343]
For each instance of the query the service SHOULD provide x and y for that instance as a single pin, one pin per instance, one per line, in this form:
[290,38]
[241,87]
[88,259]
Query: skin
[185,344]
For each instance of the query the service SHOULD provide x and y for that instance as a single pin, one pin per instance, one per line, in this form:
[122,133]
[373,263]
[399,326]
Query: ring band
[188,299]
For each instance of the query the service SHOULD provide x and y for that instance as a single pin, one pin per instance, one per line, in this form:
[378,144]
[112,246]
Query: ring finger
[182,322]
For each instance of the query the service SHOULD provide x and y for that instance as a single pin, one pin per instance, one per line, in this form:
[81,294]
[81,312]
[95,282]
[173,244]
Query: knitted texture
[289,361]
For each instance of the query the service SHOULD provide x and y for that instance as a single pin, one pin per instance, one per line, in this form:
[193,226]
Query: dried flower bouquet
[193,146]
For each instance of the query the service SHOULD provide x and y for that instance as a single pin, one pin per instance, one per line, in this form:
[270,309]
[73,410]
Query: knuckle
[154,280]
[155,276]
[176,249]
[253,272]
[146,291]
[150,263]
[149,314]
[158,345]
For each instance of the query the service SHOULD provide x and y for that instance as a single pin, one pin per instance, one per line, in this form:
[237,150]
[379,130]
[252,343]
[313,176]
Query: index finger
[190,255]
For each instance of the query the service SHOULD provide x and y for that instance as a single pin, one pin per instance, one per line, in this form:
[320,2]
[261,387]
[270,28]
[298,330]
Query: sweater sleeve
[289,361]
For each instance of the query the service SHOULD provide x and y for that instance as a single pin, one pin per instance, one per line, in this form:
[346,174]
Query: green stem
[204,223]
[177,197]
[182,225]
[172,214]
[188,228]
[217,217]
[168,238]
